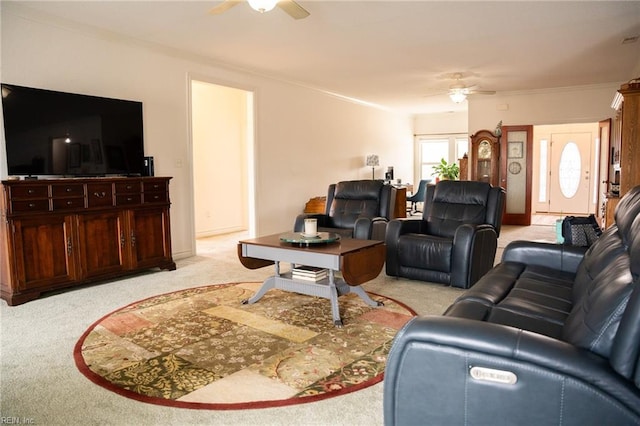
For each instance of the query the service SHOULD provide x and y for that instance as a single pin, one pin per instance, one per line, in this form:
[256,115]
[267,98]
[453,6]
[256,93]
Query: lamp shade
[372,160]
[262,5]
[457,96]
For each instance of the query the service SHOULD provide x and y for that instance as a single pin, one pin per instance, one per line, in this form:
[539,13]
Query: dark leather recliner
[550,336]
[455,242]
[355,209]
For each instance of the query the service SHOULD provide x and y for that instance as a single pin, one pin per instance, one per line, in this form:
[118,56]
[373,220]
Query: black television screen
[65,134]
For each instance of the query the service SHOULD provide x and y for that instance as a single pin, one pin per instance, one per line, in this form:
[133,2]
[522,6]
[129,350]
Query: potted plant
[446,171]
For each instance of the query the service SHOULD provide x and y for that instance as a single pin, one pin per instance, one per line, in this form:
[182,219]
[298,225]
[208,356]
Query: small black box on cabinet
[148,166]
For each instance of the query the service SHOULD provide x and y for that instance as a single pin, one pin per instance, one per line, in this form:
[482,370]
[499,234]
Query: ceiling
[396,54]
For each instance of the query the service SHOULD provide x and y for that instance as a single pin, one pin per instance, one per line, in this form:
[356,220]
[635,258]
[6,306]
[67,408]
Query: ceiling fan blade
[481,92]
[441,93]
[224,6]
[293,9]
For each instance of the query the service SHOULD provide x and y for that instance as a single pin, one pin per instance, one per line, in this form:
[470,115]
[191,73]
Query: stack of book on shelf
[308,273]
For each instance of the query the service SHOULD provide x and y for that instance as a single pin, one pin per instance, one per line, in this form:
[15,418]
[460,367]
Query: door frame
[604,155]
[542,133]
[517,218]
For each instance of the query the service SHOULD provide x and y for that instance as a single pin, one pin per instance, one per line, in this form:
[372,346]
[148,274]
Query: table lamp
[372,161]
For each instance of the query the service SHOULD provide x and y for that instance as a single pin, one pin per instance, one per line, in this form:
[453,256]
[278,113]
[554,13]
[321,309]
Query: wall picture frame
[515,149]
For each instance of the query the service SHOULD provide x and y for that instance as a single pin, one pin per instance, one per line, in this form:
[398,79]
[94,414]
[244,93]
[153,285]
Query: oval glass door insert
[570,169]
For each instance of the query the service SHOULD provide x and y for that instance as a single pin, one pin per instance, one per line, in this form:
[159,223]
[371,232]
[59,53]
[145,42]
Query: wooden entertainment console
[57,233]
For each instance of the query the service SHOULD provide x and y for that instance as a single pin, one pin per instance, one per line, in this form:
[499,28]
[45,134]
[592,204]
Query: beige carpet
[39,381]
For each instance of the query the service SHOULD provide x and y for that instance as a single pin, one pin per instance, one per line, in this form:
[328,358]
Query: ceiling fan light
[457,96]
[262,5]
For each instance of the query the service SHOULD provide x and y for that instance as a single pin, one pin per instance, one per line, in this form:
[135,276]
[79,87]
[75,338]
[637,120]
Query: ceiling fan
[292,8]
[458,91]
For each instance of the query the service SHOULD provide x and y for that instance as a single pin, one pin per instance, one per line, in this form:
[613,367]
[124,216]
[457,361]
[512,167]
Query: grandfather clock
[485,157]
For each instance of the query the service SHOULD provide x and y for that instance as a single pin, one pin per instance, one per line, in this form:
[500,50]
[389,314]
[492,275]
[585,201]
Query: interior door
[570,173]
[516,156]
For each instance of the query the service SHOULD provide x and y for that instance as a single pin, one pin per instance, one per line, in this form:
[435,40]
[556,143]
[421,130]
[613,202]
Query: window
[462,147]
[431,149]
[542,183]
[570,170]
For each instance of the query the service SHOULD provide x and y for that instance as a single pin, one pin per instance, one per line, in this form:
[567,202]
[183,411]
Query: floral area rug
[202,348]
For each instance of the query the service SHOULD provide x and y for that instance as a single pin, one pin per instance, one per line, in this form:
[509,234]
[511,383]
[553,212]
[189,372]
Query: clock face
[484,150]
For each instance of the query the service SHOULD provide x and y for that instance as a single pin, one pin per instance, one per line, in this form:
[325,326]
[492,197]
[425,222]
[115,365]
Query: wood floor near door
[545,219]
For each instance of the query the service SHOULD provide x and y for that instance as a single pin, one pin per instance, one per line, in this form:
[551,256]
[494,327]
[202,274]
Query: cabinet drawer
[99,195]
[67,190]
[29,191]
[60,204]
[155,197]
[128,199]
[127,187]
[21,206]
[154,186]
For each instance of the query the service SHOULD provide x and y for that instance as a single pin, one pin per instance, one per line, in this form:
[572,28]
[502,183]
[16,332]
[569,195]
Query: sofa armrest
[370,228]
[557,256]
[474,251]
[388,196]
[445,370]
[395,228]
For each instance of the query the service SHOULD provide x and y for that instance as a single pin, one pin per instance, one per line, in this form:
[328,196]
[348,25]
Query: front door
[570,180]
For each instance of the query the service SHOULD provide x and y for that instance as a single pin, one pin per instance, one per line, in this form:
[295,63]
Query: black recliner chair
[355,209]
[455,241]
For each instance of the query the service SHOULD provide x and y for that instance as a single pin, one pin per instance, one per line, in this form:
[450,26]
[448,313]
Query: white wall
[446,122]
[304,139]
[586,104]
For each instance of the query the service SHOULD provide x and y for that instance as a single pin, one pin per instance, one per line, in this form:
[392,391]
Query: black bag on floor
[580,230]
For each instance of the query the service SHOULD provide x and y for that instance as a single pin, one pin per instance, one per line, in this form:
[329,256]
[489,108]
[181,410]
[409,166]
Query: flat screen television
[51,133]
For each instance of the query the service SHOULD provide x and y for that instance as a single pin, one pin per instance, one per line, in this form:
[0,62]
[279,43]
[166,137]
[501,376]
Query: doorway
[566,168]
[222,123]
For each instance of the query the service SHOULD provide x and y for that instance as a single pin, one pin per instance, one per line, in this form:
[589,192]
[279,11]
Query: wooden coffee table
[358,261]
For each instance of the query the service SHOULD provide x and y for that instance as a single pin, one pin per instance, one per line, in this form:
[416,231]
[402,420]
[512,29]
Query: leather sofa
[355,209]
[549,336]
[455,241]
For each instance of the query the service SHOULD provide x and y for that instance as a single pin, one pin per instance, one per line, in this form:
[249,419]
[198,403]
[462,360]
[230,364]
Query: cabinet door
[103,239]
[44,251]
[150,238]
